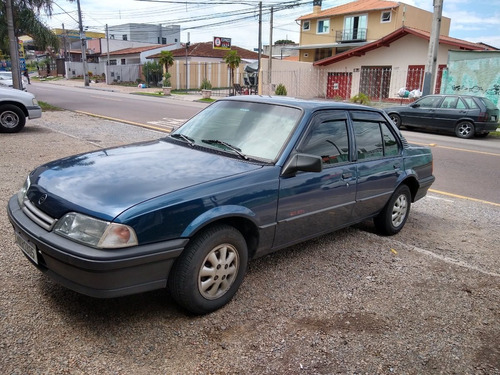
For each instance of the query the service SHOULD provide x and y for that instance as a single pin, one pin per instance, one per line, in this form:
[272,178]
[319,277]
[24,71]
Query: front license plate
[27,247]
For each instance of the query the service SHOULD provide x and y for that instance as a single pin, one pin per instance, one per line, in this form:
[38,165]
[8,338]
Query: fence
[302,80]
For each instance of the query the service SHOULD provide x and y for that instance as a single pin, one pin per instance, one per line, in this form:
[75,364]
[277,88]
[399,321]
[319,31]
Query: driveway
[426,301]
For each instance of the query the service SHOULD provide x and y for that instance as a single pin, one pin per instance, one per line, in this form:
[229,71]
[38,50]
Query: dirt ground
[426,301]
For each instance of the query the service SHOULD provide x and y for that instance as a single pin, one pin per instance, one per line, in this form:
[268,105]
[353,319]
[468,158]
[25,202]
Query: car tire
[393,216]
[396,119]
[210,270]
[12,119]
[464,129]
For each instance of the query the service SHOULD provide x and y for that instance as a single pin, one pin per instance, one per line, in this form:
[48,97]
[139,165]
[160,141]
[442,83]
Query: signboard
[222,43]
[22,59]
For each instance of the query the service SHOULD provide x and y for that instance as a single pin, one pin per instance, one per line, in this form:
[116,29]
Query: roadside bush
[280,90]
[361,99]
[205,85]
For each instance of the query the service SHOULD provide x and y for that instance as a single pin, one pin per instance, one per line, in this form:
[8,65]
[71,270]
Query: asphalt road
[467,168]
[147,110]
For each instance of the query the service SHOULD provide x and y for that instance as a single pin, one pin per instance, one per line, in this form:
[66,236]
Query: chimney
[316,6]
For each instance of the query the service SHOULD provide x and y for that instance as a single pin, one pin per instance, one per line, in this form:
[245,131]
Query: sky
[201,20]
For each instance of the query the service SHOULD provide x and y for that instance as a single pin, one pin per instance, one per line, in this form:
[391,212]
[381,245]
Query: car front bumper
[34,112]
[95,272]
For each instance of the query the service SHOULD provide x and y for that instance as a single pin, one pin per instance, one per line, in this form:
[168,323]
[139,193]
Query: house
[200,61]
[146,33]
[328,32]
[381,68]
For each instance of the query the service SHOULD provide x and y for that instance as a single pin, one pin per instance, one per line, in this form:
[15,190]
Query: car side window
[429,102]
[374,140]
[369,142]
[470,103]
[449,102]
[327,138]
[461,104]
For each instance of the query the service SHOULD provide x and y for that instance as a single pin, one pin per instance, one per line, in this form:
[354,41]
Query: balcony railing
[352,35]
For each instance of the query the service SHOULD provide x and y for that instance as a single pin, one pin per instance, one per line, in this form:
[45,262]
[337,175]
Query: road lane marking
[435,145]
[106,98]
[163,130]
[464,197]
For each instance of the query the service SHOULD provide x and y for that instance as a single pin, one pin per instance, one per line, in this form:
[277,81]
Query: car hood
[107,182]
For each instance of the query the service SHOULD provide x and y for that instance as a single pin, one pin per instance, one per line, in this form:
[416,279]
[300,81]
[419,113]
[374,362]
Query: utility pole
[259,78]
[187,68]
[108,78]
[84,46]
[270,64]
[13,47]
[430,68]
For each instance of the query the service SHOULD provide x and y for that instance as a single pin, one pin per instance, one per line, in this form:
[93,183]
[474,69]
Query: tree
[26,15]
[233,61]
[166,59]
[21,17]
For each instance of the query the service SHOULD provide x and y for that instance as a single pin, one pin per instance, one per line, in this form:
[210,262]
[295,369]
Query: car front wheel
[12,119]
[395,213]
[464,129]
[396,119]
[210,270]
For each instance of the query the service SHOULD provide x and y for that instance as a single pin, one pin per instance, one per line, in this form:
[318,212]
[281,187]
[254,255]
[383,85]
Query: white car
[15,107]
[6,80]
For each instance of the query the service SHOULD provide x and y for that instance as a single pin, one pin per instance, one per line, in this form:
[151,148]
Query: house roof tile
[206,50]
[352,7]
[131,51]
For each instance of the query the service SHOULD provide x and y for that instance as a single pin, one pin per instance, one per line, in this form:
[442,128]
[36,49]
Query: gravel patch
[426,301]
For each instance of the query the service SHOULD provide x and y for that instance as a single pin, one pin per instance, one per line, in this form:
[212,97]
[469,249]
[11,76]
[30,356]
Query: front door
[312,203]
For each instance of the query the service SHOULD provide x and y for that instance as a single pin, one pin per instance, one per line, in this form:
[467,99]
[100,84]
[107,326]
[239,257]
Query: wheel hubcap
[464,129]
[218,271]
[399,210]
[9,120]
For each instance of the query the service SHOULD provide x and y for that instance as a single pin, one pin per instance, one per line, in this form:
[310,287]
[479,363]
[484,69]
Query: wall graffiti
[473,73]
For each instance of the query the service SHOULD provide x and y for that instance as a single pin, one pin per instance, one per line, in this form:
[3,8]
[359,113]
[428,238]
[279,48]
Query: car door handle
[396,166]
[346,175]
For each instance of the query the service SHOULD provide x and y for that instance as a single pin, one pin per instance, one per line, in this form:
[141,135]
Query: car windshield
[246,129]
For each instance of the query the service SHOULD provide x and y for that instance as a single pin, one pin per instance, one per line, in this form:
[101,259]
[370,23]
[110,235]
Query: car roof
[299,103]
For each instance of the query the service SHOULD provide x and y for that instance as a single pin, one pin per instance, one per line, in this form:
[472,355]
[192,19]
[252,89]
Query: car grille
[39,217]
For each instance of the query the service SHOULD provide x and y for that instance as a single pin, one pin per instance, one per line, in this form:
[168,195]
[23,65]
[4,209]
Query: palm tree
[233,61]
[27,22]
[166,59]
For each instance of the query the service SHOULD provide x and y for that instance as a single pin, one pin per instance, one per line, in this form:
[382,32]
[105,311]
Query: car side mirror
[415,105]
[303,163]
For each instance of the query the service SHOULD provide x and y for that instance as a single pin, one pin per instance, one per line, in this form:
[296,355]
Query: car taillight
[483,116]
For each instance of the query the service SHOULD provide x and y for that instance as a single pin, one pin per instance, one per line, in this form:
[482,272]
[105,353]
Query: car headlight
[35,102]
[94,232]
[21,194]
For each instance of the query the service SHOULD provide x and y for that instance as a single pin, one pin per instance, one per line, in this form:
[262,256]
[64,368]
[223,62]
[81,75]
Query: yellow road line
[464,197]
[455,148]
[125,121]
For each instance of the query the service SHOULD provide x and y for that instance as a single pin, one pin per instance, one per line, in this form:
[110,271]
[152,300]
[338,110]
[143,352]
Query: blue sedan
[245,177]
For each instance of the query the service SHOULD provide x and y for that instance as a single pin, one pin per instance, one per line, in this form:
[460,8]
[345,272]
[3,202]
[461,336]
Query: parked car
[6,80]
[244,177]
[15,107]
[464,115]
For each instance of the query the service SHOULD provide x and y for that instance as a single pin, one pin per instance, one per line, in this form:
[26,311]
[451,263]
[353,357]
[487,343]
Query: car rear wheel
[210,270]
[464,129]
[12,118]
[395,213]
[396,119]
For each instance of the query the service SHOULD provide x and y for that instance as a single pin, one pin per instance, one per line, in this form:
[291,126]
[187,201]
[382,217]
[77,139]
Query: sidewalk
[119,88]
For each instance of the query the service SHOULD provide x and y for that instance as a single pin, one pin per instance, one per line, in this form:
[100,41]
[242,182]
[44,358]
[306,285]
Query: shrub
[166,80]
[205,85]
[361,99]
[280,90]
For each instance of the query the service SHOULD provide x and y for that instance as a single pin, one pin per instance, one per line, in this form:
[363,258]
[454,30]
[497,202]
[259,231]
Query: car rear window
[488,103]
